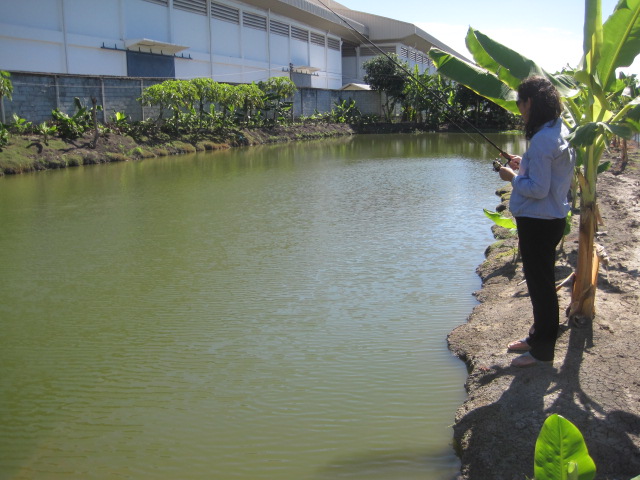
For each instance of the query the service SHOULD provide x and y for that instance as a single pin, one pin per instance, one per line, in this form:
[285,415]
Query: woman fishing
[540,205]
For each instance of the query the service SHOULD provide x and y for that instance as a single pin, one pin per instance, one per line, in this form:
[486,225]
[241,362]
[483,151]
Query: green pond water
[274,312]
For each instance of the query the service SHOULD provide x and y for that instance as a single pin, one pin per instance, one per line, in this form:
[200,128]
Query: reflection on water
[276,312]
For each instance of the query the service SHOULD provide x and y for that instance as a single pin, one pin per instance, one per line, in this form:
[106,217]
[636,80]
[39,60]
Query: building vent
[404,52]
[372,52]
[193,6]
[254,21]
[317,39]
[299,34]
[159,2]
[333,44]
[349,50]
[279,28]
[224,13]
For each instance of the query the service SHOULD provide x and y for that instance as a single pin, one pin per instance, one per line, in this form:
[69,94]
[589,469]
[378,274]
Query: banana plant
[591,95]
[561,452]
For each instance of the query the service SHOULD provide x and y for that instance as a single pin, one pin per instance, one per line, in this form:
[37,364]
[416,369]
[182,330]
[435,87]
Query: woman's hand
[514,163]
[506,174]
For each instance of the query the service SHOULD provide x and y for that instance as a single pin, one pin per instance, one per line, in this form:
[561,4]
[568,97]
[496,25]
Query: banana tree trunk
[584,289]
[583,295]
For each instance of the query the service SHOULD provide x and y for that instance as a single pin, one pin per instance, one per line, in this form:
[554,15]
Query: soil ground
[595,379]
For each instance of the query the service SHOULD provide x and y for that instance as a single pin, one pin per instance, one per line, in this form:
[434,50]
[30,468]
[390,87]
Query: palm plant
[593,109]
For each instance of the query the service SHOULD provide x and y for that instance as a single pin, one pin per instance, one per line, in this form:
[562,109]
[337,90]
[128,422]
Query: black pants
[538,239]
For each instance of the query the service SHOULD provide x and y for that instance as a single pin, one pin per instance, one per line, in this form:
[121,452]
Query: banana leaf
[592,41]
[508,65]
[499,71]
[474,41]
[620,41]
[477,79]
[500,220]
[560,447]
[511,67]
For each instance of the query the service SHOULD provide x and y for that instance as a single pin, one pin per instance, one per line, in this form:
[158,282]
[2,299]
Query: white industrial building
[227,40]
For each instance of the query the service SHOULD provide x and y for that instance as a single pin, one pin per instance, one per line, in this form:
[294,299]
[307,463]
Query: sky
[549,32]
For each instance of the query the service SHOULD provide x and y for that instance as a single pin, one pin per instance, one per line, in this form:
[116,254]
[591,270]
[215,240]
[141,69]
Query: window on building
[150,65]
[334,44]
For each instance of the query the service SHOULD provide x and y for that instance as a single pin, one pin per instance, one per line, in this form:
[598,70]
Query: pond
[275,312]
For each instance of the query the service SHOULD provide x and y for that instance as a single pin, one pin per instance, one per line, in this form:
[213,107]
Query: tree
[206,92]
[6,87]
[251,98]
[387,74]
[276,92]
[430,97]
[591,110]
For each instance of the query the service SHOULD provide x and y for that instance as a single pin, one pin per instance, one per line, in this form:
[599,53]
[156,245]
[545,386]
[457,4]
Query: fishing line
[421,84]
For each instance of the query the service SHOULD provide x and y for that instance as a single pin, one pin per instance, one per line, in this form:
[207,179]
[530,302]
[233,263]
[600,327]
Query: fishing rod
[496,164]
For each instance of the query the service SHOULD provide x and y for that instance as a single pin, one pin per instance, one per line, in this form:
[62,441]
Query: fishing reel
[497,165]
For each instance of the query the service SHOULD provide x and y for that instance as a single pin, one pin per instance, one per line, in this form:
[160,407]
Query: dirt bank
[595,378]
[28,153]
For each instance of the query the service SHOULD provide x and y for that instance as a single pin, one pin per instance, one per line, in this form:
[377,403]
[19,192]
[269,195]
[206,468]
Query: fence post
[57,90]
[141,104]
[104,101]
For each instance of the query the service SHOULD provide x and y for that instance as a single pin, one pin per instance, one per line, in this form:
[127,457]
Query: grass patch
[115,157]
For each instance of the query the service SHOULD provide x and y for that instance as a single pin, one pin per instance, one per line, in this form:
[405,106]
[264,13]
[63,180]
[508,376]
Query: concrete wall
[35,95]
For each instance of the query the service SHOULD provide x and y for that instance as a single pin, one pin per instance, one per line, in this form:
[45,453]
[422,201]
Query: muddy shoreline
[595,378]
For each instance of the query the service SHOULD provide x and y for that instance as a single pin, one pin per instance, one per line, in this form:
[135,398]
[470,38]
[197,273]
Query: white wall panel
[226,72]
[317,57]
[20,54]
[90,61]
[254,44]
[334,62]
[279,46]
[299,52]
[191,30]
[145,20]
[191,68]
[32,13]
[225,38]
[92,17]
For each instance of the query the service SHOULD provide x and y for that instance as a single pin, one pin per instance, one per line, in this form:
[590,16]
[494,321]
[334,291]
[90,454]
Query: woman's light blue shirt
[541,188]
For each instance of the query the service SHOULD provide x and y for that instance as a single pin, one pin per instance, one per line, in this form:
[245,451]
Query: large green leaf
[560,446]
[480,81]
[620,40]
[592,41]
[510,66]
[484,59]
[513,67]
[501,220]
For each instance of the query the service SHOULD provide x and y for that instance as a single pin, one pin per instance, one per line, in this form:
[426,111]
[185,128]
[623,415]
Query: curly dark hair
[545,103]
